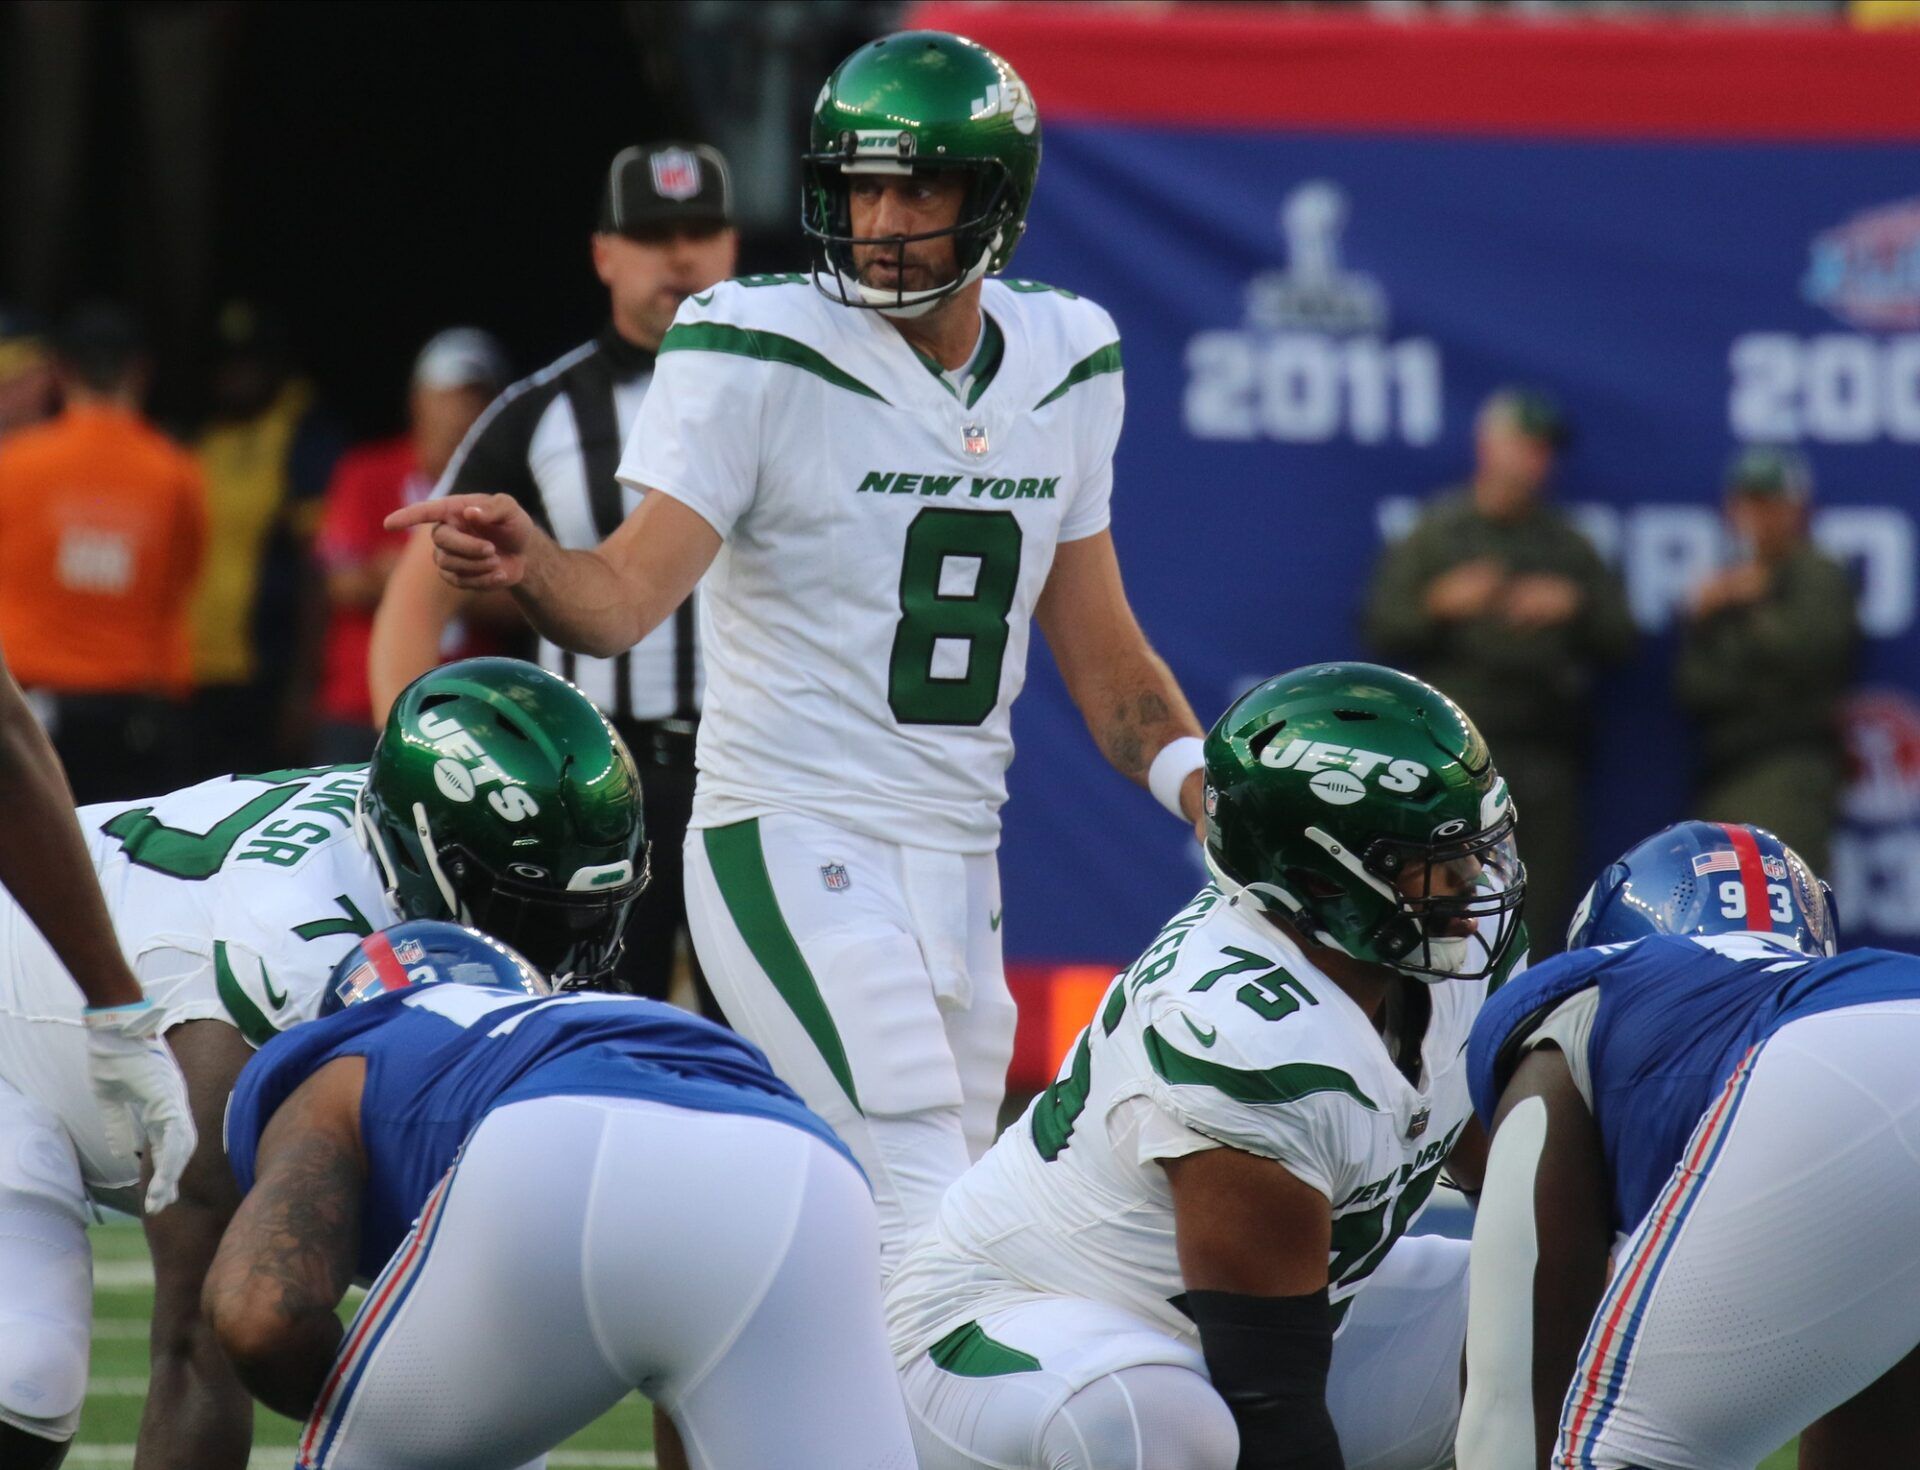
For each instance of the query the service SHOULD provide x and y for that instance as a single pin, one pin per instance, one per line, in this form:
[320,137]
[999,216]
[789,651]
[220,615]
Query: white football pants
[1777,1274]
[583,1247]
[46,1271]
[1116,1392]
[870,974]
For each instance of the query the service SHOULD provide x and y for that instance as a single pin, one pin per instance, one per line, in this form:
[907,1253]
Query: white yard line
[135,1275]
[120,1457]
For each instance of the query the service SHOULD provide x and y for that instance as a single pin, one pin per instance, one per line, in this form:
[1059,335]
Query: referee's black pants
[659,916]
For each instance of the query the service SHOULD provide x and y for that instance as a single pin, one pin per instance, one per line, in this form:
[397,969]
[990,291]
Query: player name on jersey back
[261,878]
[885,541]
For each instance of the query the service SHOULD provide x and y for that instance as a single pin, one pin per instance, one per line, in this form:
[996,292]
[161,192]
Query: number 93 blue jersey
[440,1057]
[1675,1018]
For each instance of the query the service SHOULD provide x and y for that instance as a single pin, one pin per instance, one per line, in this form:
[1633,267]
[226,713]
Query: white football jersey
[866,620]
[1220,1033]
[260,878]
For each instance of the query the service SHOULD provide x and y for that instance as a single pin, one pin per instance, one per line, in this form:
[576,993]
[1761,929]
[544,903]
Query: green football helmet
[1363,807]
[500,798]
[919,101]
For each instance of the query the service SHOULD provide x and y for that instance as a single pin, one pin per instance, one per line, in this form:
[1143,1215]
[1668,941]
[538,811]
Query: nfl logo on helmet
[676,174]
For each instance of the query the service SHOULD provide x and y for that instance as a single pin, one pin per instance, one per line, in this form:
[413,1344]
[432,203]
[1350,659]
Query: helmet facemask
[987,228]
[1456,901]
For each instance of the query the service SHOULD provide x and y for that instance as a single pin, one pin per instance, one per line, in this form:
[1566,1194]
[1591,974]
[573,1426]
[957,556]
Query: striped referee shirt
[553,442]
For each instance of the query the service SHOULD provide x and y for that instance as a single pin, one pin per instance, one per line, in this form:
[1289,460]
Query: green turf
[115,1393]
[624,1438]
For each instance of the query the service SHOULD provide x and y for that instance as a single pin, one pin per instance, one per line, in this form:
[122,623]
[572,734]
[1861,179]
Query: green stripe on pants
[740,868]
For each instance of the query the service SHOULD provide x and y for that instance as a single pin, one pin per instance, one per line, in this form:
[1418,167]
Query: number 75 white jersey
[866,621]
[232,901]
[1221,1033]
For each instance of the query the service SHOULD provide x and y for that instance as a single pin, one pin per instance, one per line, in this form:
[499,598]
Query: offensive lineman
[497,794]
[645,1205]
[889,476]
[1703,1089]
[1151,1266]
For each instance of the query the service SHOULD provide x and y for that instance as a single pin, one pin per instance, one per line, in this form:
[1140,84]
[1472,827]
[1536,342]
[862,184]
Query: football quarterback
[888,471]
[1152,1266]
[497,795]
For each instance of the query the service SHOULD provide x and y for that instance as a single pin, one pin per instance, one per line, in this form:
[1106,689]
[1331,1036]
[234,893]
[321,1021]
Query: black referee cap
[651,188]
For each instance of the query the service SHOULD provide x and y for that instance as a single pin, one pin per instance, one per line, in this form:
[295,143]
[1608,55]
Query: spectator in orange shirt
[102,527]
[455,377]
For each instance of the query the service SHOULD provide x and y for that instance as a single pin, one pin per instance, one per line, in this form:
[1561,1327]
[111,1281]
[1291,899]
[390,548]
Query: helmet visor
[1458,902]
[574,937]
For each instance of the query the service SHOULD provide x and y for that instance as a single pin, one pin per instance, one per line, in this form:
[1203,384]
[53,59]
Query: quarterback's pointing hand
[479,541]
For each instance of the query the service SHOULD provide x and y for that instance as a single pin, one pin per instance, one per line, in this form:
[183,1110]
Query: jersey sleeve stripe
[248,1017]
[740,870]
[765,346]
[1286,1083]
[1106,360]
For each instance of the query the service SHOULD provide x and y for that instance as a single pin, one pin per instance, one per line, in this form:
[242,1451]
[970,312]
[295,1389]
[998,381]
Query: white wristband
[1177,760]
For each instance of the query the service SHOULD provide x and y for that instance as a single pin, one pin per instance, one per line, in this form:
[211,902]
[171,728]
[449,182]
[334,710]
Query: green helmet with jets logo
[1362,806]
[500,798]
[916,102]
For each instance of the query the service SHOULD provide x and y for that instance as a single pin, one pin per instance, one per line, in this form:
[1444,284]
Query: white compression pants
[46,1272]
[1776,1276]
[870,974]
[582,1247]
[1112,1391]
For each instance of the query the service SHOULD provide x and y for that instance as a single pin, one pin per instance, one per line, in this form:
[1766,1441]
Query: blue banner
[1309,323]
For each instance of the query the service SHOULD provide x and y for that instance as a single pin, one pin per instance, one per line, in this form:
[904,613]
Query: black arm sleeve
[1268,1358]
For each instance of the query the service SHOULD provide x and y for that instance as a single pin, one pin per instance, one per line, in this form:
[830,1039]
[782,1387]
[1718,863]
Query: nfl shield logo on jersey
[1418,1123]
[676,174]
[973,439]
[834,875]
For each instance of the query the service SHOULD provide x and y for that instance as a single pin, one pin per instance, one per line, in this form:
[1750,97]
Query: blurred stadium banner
[1327,239]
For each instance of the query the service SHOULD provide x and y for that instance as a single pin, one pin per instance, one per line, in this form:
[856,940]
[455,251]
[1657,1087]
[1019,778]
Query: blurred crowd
[180,606]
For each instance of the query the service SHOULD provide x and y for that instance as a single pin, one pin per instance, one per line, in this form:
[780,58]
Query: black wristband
[1268,1358]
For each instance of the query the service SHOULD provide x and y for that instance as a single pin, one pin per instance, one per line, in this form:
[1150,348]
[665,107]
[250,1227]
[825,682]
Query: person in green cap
[1766,653]
[1497,598]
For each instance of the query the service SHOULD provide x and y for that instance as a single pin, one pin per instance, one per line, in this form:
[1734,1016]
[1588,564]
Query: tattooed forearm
[1142,711]
[284,1265]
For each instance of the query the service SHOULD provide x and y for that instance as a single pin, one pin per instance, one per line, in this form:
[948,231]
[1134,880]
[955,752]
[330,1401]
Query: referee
[553,442]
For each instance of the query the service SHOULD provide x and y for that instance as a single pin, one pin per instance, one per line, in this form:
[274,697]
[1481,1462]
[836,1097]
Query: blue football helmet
[1709,878]
[427,952]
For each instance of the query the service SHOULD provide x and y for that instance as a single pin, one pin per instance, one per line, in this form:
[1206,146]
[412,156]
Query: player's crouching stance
[1152,1266]
[498,795]
[1713,1082]
[613,1191]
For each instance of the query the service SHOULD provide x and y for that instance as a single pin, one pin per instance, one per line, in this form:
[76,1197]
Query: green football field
[122,1307]
[123,1304]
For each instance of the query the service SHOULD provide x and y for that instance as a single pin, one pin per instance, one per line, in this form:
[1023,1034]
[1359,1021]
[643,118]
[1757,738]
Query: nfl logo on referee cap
[834,875]
[676,174]
[973,439]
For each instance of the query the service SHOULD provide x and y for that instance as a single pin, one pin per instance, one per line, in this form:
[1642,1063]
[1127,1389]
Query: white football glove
[141,1092]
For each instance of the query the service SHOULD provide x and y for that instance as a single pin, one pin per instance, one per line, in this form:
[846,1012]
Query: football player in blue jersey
[605,1194]
[1697,1236]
